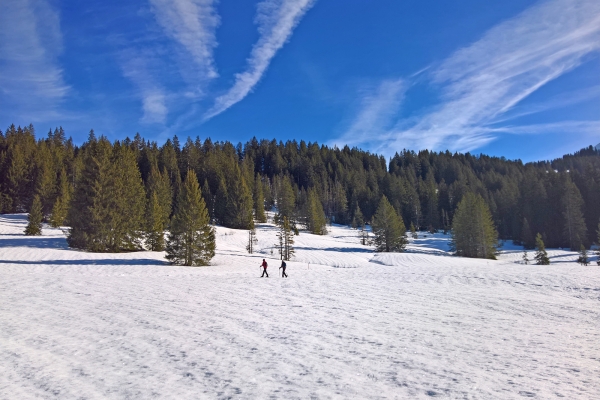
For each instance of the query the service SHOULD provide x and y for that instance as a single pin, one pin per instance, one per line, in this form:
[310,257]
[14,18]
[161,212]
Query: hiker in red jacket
[264,265]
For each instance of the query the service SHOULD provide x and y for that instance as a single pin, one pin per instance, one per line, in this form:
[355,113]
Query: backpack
[283,264]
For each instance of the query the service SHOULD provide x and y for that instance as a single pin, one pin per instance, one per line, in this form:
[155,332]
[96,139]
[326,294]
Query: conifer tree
[315,216]
[541,257]
[364,235]
[413,231]
[526,236]
[34,227]
[285,198]
[155,227]
[191,240]
[388,228]
[473,231]
[107,210]
[525,257]
[583,256]
[358,219]
[285,239]
[252,240]
[61,205]
[259,201]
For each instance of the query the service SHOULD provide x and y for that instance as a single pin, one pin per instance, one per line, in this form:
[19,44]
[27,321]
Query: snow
[347,323]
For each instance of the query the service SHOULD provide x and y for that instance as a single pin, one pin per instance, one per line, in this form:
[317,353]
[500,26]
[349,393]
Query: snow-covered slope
[347,323]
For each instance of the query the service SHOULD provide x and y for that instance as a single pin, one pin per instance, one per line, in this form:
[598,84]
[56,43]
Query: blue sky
[516,78]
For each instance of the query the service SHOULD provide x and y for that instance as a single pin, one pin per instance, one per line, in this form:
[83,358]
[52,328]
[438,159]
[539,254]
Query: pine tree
[252,240]
[364,235]
[315,216]
[107,210]
[285,239]
[525,257]
[158,208]
[155,227]
[191,240]
[473,231]
[34,227]
[413,231]
[388,228]
[541,257]
[358,220]
[259,201]
[583,256]
[61,205]
[526,236]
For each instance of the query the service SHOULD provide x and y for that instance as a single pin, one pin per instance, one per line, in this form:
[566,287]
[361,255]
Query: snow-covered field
[347,323]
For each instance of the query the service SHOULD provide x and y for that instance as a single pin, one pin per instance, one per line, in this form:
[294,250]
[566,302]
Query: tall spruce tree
[61,205]
[34,227]
[541,256]
[259,201]
[191,240]
[107,210]
[315,216]
[473,231]
[285,239]
[155,227]
[388,228]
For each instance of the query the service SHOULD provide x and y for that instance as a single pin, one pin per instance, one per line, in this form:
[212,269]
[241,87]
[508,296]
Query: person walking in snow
[283,265]
[264,265]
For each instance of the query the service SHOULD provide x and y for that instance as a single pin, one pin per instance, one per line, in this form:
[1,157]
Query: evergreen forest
[114,194]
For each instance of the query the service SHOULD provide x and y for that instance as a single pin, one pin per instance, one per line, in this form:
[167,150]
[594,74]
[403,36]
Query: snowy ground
[351,324]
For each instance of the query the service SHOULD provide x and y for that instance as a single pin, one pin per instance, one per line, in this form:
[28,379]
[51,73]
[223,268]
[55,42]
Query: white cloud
[483,81]
[192,23]
[276,21]
[152,94]
[31,78]
[377,110]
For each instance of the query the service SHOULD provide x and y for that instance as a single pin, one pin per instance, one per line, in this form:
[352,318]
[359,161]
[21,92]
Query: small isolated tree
[252,240]
[473,231]
[525,258]
[34,227]
[583,256]
[192,239]
[363,234]
[413,231]
[541,257]
[285,239]
[388,228]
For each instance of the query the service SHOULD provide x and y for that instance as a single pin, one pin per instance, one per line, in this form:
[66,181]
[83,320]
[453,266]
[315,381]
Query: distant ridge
[598,147]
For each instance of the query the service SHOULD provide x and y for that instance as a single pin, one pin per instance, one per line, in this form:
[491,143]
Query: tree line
[134,185]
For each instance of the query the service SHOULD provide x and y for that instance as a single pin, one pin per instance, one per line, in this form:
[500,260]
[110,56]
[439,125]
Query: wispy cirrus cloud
[482,82]
[192,23]
[153,95]
[31,78]
[276,21]
[378,110]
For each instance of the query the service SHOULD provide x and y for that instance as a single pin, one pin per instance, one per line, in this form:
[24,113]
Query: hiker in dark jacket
[264,265]
[283,265]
